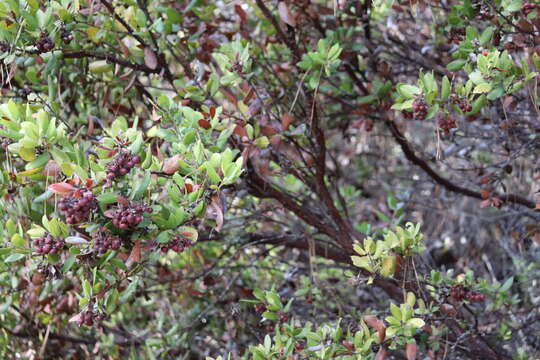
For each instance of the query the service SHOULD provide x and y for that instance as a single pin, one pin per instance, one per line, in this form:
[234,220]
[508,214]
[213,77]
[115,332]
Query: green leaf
[445,88]
[270,315]
[14,257]
[416,323]
[396,312]
[486,35]
[507,284]
[482,88]
[87,289]
[456,64]
[409,91]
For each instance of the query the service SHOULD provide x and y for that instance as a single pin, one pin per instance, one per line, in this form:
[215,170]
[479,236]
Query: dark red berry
[48,244]
[123,162]
[77,206]
[419,108]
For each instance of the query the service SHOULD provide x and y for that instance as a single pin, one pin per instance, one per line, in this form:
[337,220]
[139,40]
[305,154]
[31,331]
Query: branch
[412,157]
[110,58]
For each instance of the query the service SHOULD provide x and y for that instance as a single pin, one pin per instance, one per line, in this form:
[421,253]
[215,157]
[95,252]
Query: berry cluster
[44,44]
[66,36]
[475,296]
[456,36]
[104,241]
[177,244]
[128,214]
[284,317]
[528,7]
[77,206]
[122,164]
[48,244]
[89,317]
[484,13]
[419,108]
[459,293]
[260,308]
[447,123]
[465,106]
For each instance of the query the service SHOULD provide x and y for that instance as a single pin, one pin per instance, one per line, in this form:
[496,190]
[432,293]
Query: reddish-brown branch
[412,157]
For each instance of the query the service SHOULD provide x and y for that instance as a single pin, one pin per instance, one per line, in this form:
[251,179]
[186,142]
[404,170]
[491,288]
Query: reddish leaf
[122,201]
[286,120]
[381,355]
[411,350]
[240,131]
[135,255]
[172,164]
[150,58]
[485,204]
[75,318]
[109,213]
[285,15]
[216,205]
[268,130]
[376,324]
[229,95]
[205,124]
[61,188]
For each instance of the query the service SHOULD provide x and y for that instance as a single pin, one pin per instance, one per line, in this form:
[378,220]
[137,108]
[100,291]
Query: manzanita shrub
[311,179]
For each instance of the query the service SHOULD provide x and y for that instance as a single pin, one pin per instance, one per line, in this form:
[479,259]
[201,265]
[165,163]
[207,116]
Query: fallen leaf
[150,58]
[411,350]
[285,14]
[286,120]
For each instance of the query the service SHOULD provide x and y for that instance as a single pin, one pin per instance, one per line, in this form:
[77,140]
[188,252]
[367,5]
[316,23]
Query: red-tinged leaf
[159,154]
[485,204]
[230,96]
[109,213]
[62,188]
[189,188]
[240,131]
[285,14]
[205,124]
[348,345]
[496,202]
[485,193]
[89,183]
[122,201]
[268,130]
[216,205]
[411,350]
[155,115]
[249,96]
[376,324]
[195,292]
[212,111]
[172,164]
[75,318]
[135,255]
[186,234]
[286,120]
[150,58]
[381,354]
